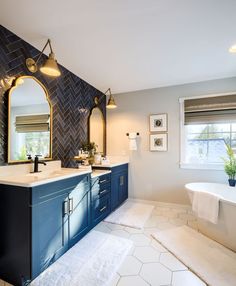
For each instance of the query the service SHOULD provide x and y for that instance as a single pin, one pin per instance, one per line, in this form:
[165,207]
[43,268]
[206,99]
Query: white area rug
[212,262]
[131,214]
[93,261]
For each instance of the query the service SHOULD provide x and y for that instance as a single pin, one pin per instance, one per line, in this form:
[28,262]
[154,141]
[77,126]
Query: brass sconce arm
[50,66]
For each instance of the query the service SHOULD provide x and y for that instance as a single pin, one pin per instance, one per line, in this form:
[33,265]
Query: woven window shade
[32,123]
[219,109]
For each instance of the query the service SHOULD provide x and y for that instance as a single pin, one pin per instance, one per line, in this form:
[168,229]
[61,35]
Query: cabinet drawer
[101,208]
[104,179]
[44,192]
[100,190]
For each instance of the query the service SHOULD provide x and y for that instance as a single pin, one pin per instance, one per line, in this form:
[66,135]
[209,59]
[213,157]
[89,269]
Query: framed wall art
[158,142]
[158,122]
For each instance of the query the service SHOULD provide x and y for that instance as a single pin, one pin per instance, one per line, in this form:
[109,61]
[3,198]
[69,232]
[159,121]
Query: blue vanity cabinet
[41,223]
[79,219]
[49,232]
[101,198]
[60,218]
[119,185]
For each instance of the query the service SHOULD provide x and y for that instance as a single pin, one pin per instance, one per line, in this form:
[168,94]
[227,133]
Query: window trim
[182,162]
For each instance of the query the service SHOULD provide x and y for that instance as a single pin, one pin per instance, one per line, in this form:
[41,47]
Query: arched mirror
[97,129]
[29,120]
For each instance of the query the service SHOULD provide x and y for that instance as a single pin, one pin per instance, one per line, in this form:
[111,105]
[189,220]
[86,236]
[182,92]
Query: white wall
[156,175]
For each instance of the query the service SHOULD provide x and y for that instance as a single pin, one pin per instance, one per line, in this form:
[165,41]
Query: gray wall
[156,175]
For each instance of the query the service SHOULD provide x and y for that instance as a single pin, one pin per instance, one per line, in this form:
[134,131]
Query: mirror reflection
[29,131]
[97,129]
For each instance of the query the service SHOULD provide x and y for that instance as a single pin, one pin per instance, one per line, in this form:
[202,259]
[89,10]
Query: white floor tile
[131,250]
[102,228]
[151,222]
[114,226]
[158,246]
[132,230]
[131,266]
[156,274]
[171,262]
[140,239]
[177,221]
[115,280]
[132,281]
[187,217]
[120,232]
[164,225]
[150,231]
[186,278]
[146,254]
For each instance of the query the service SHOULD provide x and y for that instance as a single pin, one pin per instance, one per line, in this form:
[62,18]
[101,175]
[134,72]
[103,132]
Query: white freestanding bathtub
[224,231]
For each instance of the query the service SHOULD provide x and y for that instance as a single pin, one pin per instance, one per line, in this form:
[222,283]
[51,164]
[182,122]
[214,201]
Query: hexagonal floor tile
[131,266]
[147,254]
[186,278]
[114,226]
[140,239]
[102,227]
[165,225]
[171,262]
[132,280]
[150,231]
[133,230]
[115,280]
[120,232]
[158,246]
[156,274]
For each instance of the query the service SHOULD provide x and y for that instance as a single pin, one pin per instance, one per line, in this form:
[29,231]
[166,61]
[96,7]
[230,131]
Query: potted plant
[230,166]
[91,148]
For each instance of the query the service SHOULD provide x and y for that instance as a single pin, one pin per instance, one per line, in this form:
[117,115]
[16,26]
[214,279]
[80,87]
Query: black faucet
[36,163]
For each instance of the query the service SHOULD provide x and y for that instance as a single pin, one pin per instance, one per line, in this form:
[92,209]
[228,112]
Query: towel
[132,141]
[206,206]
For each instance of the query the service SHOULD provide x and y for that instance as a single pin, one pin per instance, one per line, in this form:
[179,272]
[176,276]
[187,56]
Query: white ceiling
[131,44]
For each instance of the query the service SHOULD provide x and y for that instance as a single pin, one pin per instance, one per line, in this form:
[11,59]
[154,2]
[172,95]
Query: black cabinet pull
[103,209]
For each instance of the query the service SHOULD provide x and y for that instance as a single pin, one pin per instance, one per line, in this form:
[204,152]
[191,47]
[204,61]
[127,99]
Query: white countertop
[98,173]
[113,161]
[111,164]
[36,179]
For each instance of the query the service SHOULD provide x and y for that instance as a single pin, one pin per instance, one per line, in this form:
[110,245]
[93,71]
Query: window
[207,125]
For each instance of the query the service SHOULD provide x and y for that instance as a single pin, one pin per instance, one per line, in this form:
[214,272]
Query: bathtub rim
[222,199]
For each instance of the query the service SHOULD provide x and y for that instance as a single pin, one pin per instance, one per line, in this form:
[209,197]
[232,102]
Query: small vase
[232,182]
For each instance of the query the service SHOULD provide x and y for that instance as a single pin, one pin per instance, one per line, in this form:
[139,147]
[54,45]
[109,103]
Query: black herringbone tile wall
[71,97]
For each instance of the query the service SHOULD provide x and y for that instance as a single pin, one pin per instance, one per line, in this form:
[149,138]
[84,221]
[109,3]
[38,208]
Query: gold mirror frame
[15,84]
[104,127]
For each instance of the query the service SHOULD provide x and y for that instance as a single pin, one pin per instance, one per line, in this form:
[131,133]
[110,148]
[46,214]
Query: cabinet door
[115,185]
[79,209]
[49,232]
[123,186]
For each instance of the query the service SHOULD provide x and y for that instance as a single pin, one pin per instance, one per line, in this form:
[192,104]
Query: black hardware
[127,134]
[36,163]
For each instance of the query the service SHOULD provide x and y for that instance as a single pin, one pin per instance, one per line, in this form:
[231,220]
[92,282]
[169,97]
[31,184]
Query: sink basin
[34,179]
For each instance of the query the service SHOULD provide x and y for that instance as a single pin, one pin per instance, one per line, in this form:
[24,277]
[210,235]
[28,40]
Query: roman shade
[209,110]
[32,123]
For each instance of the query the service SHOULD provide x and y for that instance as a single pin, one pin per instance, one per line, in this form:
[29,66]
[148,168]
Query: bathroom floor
[148,263]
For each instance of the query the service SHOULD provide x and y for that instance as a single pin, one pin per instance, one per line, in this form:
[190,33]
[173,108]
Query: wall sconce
[111,102]
[6,83]
[50,67]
